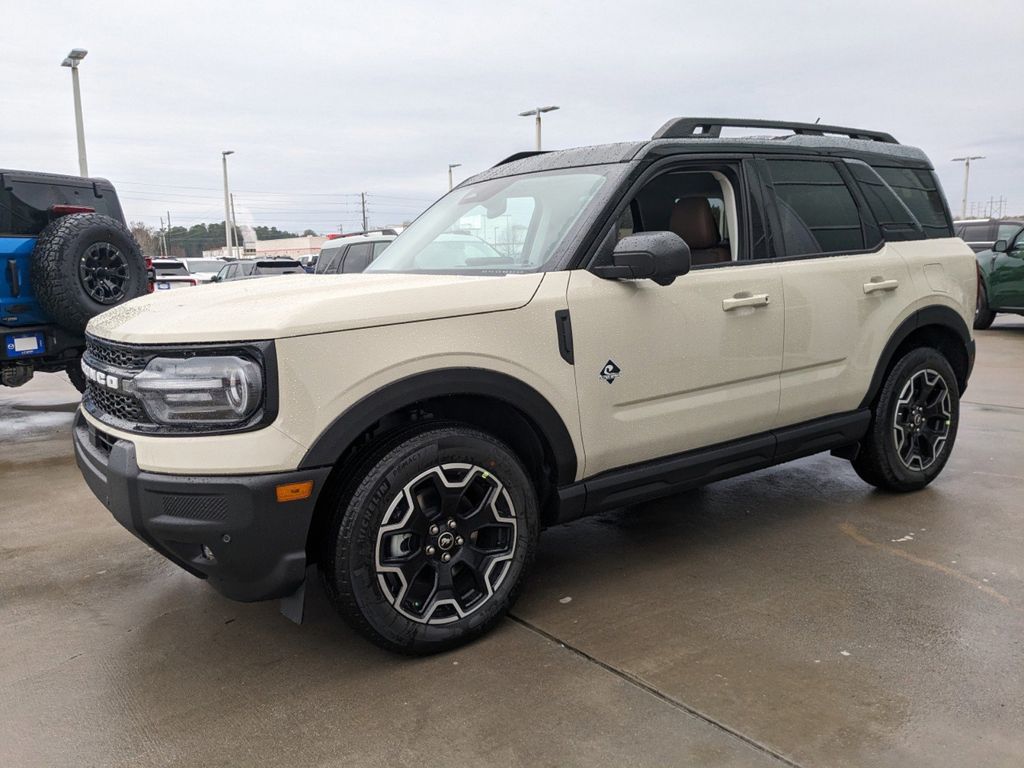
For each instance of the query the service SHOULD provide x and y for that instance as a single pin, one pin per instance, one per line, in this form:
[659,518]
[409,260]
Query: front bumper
[258,543]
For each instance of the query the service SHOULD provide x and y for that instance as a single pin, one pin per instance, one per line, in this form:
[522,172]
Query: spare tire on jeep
[83,264]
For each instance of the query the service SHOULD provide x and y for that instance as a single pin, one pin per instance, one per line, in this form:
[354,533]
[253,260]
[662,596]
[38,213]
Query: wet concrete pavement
[793,616]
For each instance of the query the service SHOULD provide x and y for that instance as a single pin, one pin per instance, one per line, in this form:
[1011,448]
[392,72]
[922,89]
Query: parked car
[1001,275]
[651,316]
[351,253]
[203,270]
[249,268]
[65,255]
[982,234]
[173,273]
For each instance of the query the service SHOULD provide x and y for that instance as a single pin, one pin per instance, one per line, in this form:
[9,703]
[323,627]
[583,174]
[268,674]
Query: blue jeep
[65,256]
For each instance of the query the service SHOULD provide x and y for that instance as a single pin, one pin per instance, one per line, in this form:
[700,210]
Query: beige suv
[565,333]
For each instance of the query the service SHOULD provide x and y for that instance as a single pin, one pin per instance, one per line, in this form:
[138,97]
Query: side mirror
[215,279]
[1000,246]
[657,256]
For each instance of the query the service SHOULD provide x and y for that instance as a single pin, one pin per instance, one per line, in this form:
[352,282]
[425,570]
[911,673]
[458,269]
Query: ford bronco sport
[565,333]
[66,256]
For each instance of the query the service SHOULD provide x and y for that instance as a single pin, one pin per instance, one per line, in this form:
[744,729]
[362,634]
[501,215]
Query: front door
[1006,279]
[666,369]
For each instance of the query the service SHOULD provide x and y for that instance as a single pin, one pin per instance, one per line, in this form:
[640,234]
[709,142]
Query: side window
[358,257]
[817,212]
[378,248]
[894,219]
[919,190]
[1007,232]
[331,261]
[977,233]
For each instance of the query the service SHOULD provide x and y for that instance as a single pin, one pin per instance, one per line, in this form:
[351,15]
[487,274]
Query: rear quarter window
[816,209]
[920,192]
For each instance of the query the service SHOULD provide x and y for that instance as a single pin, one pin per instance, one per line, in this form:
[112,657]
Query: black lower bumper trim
[258,544]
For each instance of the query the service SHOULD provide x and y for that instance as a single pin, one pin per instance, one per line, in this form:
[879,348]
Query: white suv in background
[351,253]
[565,333]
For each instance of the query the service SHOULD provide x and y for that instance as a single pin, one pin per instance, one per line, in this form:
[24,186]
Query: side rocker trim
[403,393]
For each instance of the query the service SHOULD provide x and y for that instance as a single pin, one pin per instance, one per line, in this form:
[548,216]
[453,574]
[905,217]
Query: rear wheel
[431,540]
[983,316]
[914,424]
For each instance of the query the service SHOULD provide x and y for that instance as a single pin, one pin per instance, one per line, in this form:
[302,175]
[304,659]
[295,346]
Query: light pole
[538,112]
[967,175]
[450,166]
[72,60]
[229,235]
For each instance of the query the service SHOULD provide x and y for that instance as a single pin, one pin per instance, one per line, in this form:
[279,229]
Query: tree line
[190,242]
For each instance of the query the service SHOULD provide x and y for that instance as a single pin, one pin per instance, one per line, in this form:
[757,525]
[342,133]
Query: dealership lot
[792,616]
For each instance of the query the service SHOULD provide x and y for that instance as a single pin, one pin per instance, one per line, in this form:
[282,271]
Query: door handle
[877,284]
[755,300]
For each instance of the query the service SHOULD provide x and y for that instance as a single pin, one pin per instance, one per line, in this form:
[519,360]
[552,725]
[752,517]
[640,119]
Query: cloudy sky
[323,100]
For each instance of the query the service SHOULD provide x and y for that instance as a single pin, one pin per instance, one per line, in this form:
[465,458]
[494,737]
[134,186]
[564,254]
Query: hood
[298,305]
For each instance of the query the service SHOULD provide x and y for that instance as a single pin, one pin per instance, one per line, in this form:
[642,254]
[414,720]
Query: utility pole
[362,198]
[229,236]
[234,227]
[967,177]
[72,60]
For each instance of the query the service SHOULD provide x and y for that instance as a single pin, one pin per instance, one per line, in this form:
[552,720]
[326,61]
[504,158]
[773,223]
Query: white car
[203,270]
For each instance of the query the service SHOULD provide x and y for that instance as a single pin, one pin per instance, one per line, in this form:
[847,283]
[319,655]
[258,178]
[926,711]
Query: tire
[84,264]
[983,316]
[895,457]
[77,377]
[385,561]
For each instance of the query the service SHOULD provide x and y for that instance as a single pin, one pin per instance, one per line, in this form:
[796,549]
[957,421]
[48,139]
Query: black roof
[701,134]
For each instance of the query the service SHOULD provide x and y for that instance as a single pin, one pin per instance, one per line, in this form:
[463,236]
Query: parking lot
[792,616]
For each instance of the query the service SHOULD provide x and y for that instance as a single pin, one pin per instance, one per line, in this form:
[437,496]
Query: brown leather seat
[693,221]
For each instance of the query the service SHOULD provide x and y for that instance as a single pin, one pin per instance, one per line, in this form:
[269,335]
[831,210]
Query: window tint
[977,233]
[378,248]
[816,210]
[358,257]
[894,219]
[919,190]
[329,261]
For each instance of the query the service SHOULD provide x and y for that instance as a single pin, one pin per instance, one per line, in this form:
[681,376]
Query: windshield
[510,224]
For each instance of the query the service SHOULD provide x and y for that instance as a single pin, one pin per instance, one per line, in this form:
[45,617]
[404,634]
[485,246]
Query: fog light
[208,553]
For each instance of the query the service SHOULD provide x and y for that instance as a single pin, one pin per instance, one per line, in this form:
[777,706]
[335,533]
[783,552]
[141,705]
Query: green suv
[1001,277]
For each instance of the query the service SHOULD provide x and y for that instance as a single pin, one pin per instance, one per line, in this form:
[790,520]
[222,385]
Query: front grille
[104,352]
[101,402]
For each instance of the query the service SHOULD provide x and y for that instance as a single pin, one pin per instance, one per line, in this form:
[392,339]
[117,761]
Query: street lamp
[967,175]
[450,166]
[229,224]
[72,60]
[538,111]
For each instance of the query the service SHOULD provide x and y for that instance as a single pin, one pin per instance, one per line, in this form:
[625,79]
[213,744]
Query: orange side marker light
[294,491]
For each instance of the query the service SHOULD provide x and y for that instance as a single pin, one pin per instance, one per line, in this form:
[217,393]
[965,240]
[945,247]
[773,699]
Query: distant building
[292,247]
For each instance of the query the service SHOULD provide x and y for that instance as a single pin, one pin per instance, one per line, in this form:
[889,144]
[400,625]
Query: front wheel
[430,542]
[914,423]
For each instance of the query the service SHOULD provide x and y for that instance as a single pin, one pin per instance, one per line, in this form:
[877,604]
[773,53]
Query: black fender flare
[927,316]
[360,416]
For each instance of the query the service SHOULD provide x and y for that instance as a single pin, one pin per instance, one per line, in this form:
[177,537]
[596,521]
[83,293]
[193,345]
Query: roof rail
[711,128]
[519,156]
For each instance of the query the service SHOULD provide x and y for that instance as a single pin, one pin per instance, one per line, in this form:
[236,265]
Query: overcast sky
[323,100]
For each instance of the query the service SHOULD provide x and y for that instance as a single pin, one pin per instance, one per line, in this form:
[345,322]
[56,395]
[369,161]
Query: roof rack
[520,156]
[711,128]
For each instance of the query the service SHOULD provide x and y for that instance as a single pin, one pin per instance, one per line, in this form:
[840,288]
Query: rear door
[845,287]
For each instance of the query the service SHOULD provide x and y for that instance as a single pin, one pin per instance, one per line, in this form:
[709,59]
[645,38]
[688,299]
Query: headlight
[200,390]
